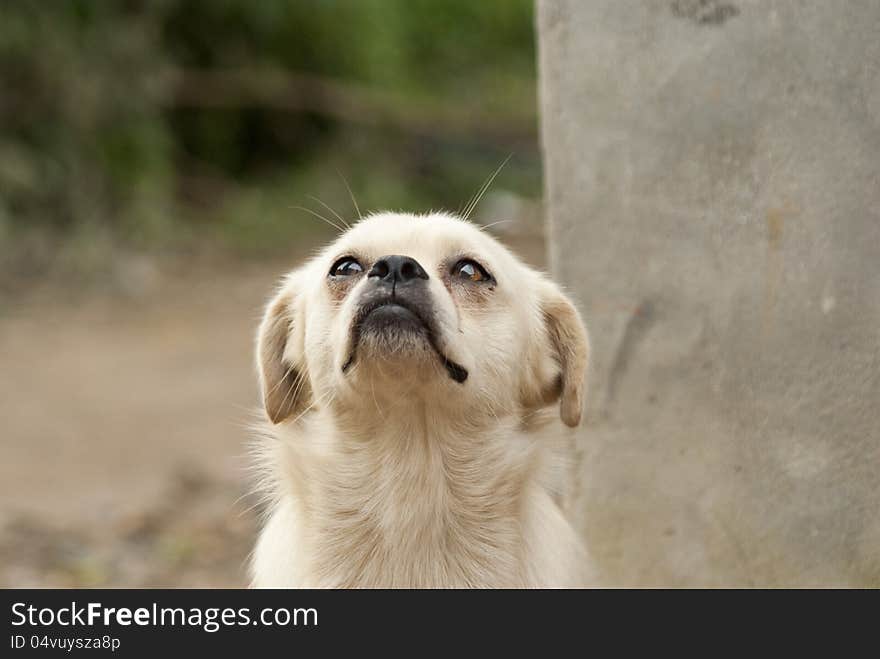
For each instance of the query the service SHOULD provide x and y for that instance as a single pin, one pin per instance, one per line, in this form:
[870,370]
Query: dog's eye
[470,270]
[345,267]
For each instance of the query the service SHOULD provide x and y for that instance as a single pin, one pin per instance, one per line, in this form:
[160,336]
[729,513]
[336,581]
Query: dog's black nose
[397,269]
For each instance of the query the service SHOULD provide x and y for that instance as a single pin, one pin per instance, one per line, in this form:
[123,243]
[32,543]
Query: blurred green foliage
[154,122]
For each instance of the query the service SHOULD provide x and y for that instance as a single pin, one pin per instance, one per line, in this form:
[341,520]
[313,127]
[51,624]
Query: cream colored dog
[406,371]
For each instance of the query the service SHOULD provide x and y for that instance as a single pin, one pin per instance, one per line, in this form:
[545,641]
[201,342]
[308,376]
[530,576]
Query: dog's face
[420,309]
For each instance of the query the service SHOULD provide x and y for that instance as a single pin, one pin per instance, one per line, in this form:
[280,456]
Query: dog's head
[421,309]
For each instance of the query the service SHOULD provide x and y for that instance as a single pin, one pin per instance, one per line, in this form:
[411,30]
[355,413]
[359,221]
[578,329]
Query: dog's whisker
[291,389]
[320,217]
[350,194]
[296,389]
[283,378]
[327,206]
[330,398]
[483,188]
[492,224]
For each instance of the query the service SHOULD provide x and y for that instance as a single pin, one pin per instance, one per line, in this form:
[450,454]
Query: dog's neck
[393,498]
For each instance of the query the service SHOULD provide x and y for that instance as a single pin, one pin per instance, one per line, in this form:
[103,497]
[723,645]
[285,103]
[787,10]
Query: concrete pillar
[713,190]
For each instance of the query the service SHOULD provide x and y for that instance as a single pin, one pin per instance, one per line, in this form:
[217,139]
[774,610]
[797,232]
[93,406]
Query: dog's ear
[569,346]
[283,379]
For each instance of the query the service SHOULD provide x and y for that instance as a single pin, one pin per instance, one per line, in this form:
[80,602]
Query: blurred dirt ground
[124,425]
[124,429]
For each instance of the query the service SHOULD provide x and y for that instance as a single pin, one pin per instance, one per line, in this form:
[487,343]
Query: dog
[409,374]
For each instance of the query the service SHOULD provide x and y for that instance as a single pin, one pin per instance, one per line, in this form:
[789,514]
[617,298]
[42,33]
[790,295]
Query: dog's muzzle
[397,298]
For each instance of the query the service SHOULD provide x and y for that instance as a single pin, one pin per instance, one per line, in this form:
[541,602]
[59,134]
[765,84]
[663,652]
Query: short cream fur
[381,470]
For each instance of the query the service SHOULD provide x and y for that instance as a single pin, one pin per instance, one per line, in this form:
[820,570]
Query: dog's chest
[417,532]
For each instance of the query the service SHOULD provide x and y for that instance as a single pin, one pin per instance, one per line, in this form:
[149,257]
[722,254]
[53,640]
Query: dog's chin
[394,339]
[394,334]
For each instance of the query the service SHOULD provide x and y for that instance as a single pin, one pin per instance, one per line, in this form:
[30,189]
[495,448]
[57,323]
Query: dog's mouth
[396,314]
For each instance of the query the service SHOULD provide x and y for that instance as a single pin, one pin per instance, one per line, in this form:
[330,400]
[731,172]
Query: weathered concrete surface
[713,185]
